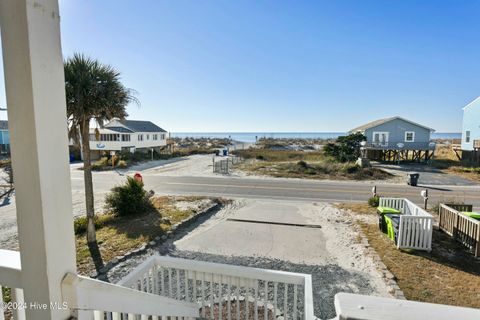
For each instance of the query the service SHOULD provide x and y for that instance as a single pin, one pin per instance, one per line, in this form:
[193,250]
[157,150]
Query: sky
[283,66]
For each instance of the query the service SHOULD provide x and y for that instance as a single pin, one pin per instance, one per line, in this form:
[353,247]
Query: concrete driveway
[262,228]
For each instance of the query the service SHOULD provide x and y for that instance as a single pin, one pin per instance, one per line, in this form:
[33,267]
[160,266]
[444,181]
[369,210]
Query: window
[125,137]
[467,136]
[148,137]
[140,137]
[155,136]
[409,136]
[163,136]
[380,138]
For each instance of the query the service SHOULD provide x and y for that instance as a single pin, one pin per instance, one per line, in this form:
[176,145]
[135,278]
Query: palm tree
[94,92]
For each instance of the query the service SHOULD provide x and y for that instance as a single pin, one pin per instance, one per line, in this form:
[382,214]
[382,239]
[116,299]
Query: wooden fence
[416,225]
[462,228]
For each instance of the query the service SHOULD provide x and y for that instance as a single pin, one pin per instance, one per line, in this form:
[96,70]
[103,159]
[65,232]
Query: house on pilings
[396,139]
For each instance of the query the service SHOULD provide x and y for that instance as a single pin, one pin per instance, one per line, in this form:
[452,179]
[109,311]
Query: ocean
[253,136]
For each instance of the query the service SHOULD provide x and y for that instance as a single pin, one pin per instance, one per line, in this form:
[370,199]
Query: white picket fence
[231,291]
[416,225]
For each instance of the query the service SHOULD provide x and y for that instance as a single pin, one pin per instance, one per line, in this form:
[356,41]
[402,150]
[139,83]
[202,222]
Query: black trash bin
[413,178]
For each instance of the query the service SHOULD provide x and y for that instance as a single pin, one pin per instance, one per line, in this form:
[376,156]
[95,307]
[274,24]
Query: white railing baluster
[295,298]
[179,294]
[247,289]
[170,294]
[194,298]
[98,315]
[155,280]
[237,293]
[229,298]
[212,292]
[203,294]
[116,316]
[285,302]
[17,296]
[2,315]
[256,294]
[275,293]
[148,281]
[265,302]
[162,275]
[185,275]
[220,298]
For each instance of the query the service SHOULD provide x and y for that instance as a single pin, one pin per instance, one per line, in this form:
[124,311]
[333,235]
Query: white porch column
[37,121]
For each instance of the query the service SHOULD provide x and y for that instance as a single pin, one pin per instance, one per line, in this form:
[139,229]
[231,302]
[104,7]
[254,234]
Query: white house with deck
[43,274]
[127,135]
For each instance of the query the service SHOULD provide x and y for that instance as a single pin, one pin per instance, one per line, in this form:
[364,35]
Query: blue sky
[284,65]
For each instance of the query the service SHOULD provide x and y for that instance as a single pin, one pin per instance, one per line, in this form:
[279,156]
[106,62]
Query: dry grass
[304,164]
[447,275]
[447,161]
[280,155]
[120,235]
[358,208]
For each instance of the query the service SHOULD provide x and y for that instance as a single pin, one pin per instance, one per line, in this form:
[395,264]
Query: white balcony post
[35,91]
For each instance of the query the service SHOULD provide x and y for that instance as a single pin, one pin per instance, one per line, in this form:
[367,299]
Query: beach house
[127,135]
[395,139]
[471,126]
[4,137]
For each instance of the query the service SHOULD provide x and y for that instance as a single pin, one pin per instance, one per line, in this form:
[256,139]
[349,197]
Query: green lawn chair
[474,215]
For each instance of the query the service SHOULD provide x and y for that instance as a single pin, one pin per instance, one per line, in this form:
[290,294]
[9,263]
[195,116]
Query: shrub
[350,168]
[374,201]
[130,198]
[302,164]
[347,148]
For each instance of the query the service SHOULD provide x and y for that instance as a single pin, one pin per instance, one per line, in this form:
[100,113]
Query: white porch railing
[416,225]
[11,277]
[359,307]
[92,299]
[230,291]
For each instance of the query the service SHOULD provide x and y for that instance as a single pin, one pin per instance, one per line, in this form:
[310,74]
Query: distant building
[4,137]
[393,138]
[127,135]
[471,126]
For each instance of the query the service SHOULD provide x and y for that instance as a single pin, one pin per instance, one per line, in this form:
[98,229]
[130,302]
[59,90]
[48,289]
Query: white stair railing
[230,291]
[92,299]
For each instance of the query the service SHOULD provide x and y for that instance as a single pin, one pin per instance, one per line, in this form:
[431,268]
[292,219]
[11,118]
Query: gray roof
[3,125]
[119,129]
[385,120]
[139,126]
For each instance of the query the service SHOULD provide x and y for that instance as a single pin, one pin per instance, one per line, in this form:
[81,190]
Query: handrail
[356,306]
[10,269]
[82,293]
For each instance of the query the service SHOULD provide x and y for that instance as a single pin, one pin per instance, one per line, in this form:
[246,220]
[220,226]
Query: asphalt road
[287,189]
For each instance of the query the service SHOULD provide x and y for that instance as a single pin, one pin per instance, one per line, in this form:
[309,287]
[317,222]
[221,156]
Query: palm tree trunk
[87,174]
